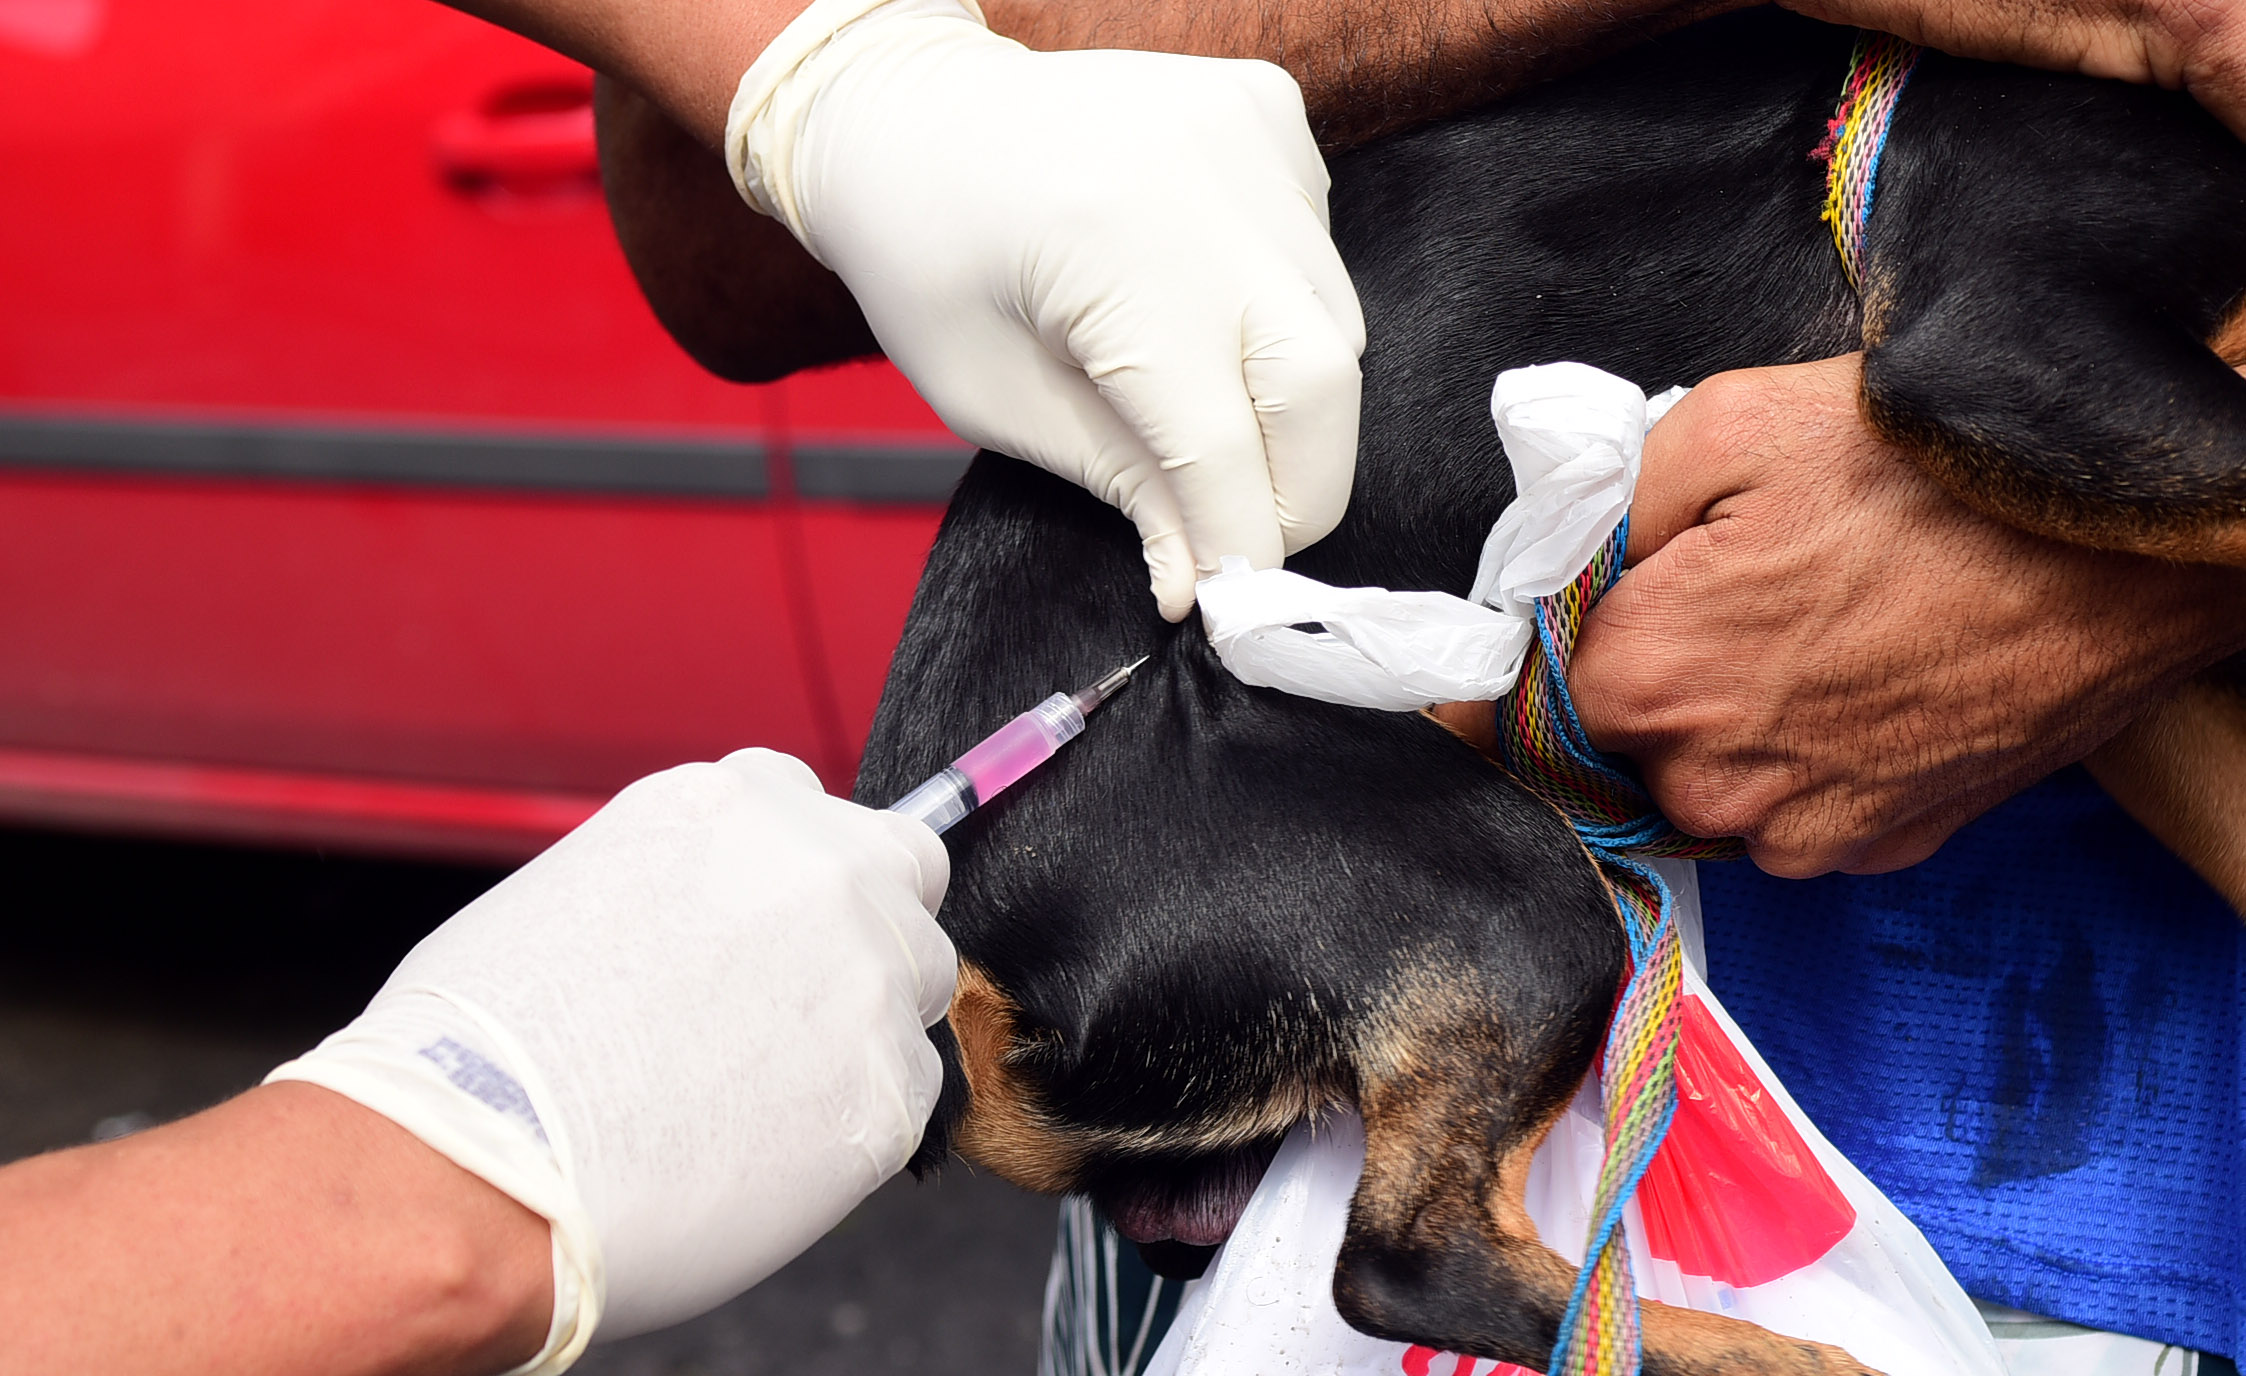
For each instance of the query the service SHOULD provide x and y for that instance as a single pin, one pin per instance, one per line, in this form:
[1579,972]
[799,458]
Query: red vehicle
[349,494]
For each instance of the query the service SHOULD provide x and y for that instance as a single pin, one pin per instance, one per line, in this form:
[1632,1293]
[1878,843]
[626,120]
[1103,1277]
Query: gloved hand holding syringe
[1008,753]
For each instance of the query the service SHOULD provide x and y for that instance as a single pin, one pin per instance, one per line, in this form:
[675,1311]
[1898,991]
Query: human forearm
[733,287]
[750,304]
[2197,46]
[1371,68]
[2180,770]
[1366,69]
[687,55]
[287,1231]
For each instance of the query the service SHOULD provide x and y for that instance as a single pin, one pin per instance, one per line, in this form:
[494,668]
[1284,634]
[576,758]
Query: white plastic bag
[1747,1212]
[1397,651]
[1573,435]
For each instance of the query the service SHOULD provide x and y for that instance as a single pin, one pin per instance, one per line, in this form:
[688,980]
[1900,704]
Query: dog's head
[1192,926]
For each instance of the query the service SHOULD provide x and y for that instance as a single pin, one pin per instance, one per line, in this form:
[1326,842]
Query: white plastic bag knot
[1398,651]
[1573,435]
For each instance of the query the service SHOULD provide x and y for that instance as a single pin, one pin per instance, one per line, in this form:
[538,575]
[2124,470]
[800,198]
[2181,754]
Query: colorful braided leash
[1542,743]
[1878,69]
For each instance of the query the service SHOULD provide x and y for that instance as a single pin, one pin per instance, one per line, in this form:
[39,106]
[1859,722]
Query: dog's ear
[2057,362]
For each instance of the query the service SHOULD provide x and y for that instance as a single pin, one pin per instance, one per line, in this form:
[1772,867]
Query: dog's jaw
[1198,1203]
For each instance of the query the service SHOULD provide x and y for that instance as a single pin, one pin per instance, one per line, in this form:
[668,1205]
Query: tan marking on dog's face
[1008,1132]
[2229,339]
[1004,1130]
[2210,531]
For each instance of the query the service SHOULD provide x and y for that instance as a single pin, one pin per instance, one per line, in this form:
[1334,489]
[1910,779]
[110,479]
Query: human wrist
[766,116]
[2158,622]
[447,1075]
[690,1035]
[475,1268]
[285,1230]
[1872,663]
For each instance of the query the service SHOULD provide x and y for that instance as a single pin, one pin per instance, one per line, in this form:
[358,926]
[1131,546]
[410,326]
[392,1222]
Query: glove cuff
[454,1078]
[773,101]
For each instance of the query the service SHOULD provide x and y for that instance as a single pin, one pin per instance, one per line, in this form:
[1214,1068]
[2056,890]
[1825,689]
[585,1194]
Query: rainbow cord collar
[1878,70]
[1543,745]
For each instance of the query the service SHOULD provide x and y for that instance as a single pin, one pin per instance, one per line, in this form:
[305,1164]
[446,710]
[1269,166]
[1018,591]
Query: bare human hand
[2197,46]
[1820,651]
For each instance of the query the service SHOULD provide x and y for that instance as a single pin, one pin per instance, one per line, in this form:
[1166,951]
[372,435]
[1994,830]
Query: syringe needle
[1088,698]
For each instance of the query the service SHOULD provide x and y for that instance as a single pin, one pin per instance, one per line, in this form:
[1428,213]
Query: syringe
[1008,753]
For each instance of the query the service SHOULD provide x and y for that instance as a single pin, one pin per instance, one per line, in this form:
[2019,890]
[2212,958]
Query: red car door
[348,491]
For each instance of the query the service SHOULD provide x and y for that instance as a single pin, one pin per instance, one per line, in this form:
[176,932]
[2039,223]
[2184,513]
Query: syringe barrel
[1019,746]
[939,802]
[994,762]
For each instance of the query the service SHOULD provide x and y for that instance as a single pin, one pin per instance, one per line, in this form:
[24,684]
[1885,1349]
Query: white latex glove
[1115,265]
[689,1034]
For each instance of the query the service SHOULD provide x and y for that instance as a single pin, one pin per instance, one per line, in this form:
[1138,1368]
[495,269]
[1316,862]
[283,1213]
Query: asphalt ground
[141,981]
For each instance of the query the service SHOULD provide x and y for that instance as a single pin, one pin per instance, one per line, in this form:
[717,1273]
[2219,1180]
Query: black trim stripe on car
[635,465]
[878,473]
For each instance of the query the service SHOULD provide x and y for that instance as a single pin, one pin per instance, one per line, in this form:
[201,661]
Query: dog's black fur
[1225,905]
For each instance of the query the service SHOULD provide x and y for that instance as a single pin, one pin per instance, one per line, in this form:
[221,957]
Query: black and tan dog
[1225,907]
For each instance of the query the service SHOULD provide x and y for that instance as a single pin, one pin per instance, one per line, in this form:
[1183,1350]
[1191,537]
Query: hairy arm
[1370,68]
[286,1231]
[750,305]
[2197,46]
[1367,69]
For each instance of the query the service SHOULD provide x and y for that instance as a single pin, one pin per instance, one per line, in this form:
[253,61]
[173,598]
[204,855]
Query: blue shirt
[2032,1043]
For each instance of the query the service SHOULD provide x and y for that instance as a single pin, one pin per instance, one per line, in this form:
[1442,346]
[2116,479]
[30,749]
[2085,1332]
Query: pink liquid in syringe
[1020,746]
[1004,756]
